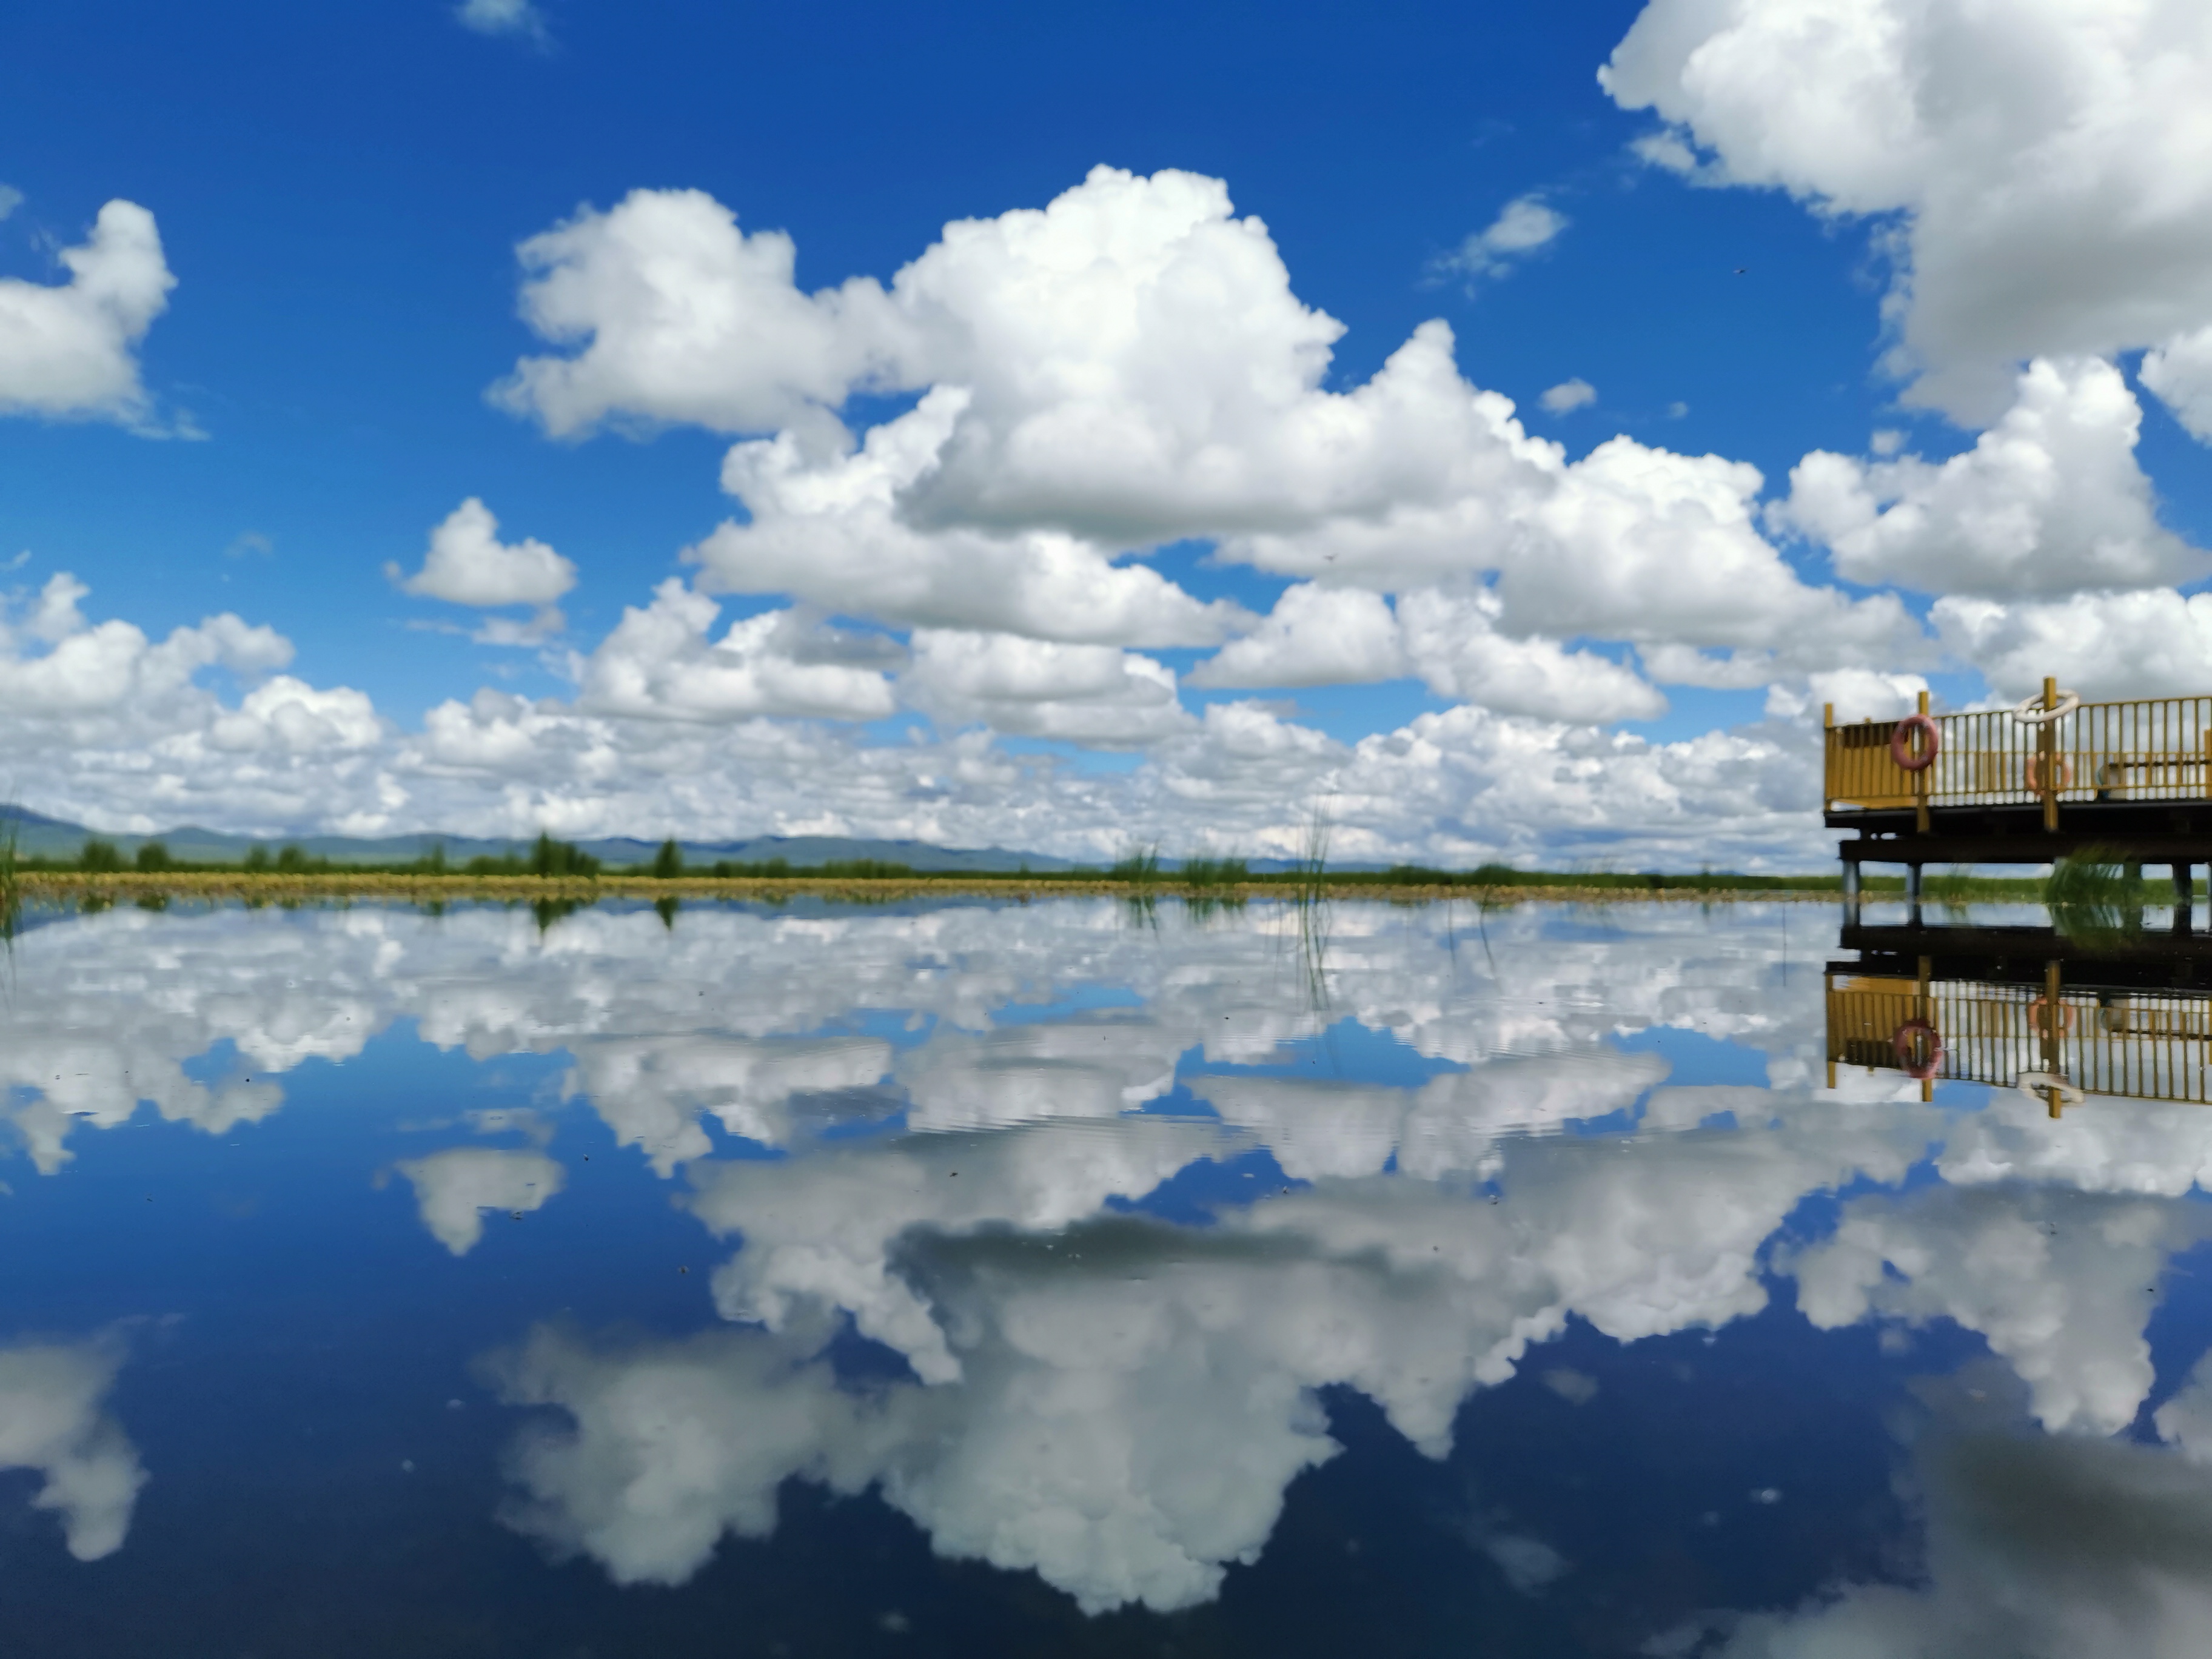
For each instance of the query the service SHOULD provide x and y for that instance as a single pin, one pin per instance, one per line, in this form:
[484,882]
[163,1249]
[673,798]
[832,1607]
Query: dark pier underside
[2142,832]
[2021,956]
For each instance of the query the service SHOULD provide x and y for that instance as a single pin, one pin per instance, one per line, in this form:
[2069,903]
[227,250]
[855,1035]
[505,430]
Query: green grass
[1198,873]
[11,891]
[1956,887]
[98,857]
[2094,896]
[1309,871]
[1139,868]
[1307,877]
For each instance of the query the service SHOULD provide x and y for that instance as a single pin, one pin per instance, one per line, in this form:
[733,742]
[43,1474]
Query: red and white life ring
[1900,743]
[1906,1045]
[2038,1016]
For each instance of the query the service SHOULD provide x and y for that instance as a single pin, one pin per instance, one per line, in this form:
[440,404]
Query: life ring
[1907,1043]
[2064,768]
[1900,743]
[2038,1015]
[2030,711]
[2063,1093]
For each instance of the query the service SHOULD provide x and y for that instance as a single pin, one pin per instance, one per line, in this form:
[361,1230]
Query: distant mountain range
[40,836]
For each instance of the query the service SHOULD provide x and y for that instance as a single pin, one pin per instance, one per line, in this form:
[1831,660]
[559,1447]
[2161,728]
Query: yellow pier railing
[2058,1043]
[2055,749]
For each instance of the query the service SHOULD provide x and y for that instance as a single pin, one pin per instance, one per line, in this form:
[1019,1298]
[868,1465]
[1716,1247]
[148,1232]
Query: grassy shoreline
[1386,886]
[552,870]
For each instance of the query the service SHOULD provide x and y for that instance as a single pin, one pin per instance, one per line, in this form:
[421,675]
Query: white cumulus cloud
[2049,499]
[1089,694]
[1629,543]
[681,316]
[2148,643]
[659,664]
[832,533]
[68,351]
[1522,226]
[1454,645]
[1315,636]
[468,564]
[501,17]
[86,669]
[101,723]
[1125,367]
[2048,159]
[1568,395]
[2180,372]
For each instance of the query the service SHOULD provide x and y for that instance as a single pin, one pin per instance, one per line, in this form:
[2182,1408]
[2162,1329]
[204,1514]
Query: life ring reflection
[1919,1060]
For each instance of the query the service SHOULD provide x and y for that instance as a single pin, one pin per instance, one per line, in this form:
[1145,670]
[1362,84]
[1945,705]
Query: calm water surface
[1059,1280]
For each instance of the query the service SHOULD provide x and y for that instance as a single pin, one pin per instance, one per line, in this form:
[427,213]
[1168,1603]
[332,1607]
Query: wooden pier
[2052,777]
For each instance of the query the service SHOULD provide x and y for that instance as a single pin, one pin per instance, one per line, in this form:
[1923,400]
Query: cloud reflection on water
[52,1422]
[2036,1547]
[453,1188]
[964,1101]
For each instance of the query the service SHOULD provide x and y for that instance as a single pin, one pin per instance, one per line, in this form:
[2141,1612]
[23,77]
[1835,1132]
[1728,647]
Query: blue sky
[340,196]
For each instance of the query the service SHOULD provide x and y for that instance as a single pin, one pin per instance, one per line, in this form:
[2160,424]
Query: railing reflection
[2137,1026]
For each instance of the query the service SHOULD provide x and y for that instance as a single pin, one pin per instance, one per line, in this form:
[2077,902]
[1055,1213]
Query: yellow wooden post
[1925,1005]
[2053,1026]
[1828,758]
[1828,987]
[1920,783]
[2046,748]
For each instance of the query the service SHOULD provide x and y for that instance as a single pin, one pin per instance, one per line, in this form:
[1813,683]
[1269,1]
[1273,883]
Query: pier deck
[2131,780]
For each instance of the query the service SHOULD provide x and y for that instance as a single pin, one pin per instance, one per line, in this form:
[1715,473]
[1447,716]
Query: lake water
[1064,1278]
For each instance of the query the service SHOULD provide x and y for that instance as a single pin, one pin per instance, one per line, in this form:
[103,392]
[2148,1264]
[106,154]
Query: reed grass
[1214,873]
[11,892]
[1310,871]
[2092,895]
[1214,888]
[1139,867]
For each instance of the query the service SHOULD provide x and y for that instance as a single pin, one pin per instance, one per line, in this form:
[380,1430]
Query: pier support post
[1851,893]
[1913,894]
[2050,1028]
[2185,897]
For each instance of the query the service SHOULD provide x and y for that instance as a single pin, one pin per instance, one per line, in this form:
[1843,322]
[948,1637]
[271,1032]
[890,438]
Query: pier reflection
[2060,1016]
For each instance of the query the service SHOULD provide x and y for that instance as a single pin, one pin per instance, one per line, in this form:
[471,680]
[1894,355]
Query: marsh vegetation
[11,899]
[2092,895]
[1210,880]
